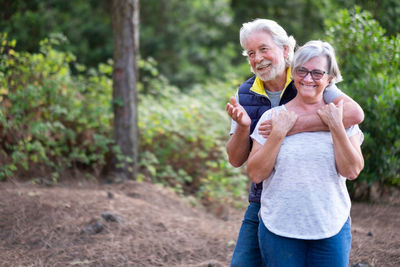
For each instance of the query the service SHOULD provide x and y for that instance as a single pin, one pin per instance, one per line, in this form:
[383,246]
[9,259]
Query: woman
[305,206]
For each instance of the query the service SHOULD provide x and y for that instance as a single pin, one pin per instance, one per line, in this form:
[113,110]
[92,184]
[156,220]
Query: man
[269,50]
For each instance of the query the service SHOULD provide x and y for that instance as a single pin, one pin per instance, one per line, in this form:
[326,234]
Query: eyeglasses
[315,74]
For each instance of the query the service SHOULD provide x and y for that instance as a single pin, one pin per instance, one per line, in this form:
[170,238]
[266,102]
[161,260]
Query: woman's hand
[332,115]
[283,122]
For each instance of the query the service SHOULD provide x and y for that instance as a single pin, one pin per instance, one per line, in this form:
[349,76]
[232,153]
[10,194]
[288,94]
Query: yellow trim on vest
[258,85]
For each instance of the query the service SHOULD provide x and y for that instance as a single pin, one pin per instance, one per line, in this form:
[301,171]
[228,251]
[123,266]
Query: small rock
[133,195]
[110,195]
[93,228]
[360,264]
[160,227]
[210,263]
[369,234]
[110,217]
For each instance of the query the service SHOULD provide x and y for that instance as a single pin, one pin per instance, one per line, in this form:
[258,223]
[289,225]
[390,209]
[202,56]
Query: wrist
[336,125]
[277,134]
[242,128]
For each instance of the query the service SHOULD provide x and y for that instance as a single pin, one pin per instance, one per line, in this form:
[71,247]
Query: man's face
[267,60]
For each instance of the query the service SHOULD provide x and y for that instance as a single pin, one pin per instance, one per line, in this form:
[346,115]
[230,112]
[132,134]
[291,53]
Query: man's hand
[265,128]
[331,114]
[237,113]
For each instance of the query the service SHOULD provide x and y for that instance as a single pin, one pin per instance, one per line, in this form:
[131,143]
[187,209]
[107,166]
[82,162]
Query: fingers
[284,121]
[266,124]
[231,106]
[340,104]
[320,112]
[327,108]
[234,112]
[265,128]
[273,115]
[331,114]
[229,109]
[291,115]
[330,108]
[233,101]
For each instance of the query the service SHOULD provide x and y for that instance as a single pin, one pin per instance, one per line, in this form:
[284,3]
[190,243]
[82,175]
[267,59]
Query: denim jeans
[291,252]
[247,251]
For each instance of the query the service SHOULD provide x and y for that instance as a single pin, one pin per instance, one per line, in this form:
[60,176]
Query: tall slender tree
[125,21]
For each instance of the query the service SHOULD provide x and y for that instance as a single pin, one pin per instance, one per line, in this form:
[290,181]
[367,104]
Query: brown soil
[146,225]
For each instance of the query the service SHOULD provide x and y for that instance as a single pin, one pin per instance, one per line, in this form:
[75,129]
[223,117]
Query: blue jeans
[247,251]
[291,252]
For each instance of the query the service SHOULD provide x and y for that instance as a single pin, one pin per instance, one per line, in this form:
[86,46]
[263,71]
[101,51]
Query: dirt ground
[141,224]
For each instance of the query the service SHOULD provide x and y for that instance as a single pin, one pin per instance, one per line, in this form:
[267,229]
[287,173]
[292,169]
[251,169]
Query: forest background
[56,87]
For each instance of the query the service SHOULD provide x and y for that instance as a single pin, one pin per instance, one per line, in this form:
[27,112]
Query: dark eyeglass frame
[315,74]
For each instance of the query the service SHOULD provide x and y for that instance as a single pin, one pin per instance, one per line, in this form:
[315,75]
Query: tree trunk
[125,20]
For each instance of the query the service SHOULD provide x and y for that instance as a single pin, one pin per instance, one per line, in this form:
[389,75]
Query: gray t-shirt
[274,97]
[304,197]
[330,94]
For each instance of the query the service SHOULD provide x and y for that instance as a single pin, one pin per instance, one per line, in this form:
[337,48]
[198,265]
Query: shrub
[52,121]
[183,139]
[49,119]
[370,63]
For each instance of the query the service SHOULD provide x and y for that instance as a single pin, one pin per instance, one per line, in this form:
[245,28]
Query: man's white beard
[272,73]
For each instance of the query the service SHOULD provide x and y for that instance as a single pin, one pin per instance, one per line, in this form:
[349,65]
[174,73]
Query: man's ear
[285,51]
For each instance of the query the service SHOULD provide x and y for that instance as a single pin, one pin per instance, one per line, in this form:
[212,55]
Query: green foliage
[47,117]
[304,18]
[183,139]
[187,38]
[53,121]
[191,40]
[370,64]
[300,18]
[385,12]
[86,23]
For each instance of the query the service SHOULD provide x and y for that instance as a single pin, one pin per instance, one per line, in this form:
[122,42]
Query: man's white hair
[278,34]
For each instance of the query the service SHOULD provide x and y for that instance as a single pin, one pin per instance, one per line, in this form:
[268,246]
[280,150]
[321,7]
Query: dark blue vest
[255,105]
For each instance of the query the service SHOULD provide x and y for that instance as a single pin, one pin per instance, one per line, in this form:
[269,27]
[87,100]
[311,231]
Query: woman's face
[312,78]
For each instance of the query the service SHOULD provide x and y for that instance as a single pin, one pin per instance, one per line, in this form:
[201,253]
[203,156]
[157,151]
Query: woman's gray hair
[279,35]
[317,48]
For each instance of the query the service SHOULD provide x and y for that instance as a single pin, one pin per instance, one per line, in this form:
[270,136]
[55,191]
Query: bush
[49,119]
[370,63]
[52,121]
[183,139]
